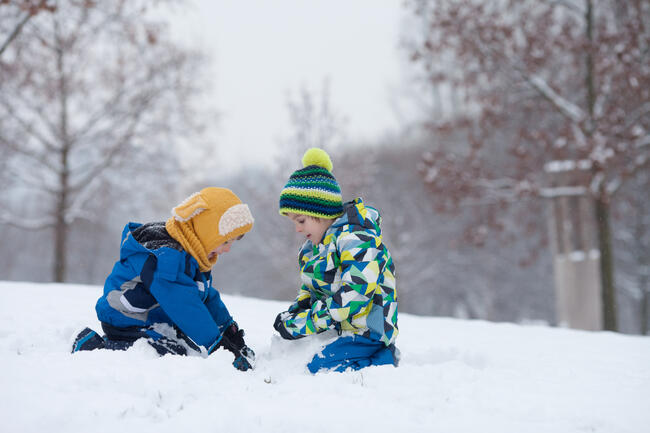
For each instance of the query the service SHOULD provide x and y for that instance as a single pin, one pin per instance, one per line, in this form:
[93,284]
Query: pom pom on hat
[313,190]
[319,157]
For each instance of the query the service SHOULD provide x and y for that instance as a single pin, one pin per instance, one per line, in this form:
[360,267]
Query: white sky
[264,50]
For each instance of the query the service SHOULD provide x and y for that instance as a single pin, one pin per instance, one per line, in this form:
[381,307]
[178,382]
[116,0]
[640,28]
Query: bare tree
[542,81]
[92,94]
[14,15]
[314,123]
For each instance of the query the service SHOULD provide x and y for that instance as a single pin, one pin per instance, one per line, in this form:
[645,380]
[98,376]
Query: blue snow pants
[355,352]
[123,338]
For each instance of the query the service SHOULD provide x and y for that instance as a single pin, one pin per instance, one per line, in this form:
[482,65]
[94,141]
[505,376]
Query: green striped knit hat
[312,190]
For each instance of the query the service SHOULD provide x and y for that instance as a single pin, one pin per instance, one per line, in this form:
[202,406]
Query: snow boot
[87,340]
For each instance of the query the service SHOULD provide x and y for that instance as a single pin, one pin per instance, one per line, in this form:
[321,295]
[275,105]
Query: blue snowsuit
[149,286]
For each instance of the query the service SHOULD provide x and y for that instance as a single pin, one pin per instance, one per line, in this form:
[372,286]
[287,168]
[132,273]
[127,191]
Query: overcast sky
[263,50]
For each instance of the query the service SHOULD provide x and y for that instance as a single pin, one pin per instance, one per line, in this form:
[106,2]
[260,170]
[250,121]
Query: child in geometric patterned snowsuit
[347,273]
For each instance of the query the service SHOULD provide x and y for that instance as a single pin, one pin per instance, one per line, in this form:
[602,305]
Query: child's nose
[298,229]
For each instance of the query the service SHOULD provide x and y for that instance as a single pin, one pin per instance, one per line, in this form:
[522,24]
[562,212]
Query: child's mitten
[282,330]
[233,341]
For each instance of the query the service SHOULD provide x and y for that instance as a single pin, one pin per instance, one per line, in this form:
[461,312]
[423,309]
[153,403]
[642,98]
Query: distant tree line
[94,99]
[537,82]
[88,145]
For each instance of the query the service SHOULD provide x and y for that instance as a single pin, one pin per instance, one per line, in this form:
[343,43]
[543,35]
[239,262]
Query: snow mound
[454,376]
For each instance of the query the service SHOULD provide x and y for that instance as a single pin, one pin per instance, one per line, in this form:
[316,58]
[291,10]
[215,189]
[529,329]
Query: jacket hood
[129,245]
[356,213]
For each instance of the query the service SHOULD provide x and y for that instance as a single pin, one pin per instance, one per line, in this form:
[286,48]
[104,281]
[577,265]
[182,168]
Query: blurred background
[505,143]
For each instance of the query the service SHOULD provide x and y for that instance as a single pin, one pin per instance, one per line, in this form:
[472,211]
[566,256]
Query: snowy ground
[455,376]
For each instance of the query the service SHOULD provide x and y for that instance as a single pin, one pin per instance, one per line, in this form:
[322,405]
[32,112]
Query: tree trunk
[645,307]
[60,237]
[61,227]
[642,257]
[643,264]
[589,60]
[606,263]
[602,199]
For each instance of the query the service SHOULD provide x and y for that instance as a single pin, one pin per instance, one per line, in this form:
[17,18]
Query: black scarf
[154,235]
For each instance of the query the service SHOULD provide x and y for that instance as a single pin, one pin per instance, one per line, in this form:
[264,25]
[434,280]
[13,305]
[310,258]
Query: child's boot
[87,340]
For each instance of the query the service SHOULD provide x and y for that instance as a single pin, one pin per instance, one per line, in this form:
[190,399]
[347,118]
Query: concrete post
[576,259]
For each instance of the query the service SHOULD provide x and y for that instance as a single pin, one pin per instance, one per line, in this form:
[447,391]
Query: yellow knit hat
[207,219]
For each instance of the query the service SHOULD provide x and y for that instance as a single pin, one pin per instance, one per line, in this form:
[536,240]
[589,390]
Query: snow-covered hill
[455,376]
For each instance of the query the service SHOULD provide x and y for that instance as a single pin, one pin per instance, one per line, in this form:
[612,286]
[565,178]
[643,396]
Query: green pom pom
[319,157]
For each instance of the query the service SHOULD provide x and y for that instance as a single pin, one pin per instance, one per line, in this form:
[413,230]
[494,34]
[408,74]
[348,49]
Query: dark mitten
[233,341]
[233,338]
[278,325]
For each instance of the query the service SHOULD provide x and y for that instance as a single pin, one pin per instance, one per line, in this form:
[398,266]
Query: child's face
[312,228]
[223,248]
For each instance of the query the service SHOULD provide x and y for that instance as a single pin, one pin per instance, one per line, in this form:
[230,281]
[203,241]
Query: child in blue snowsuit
[347,273]
[161,290]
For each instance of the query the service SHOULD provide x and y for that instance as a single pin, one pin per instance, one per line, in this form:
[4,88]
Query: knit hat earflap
[207,219]
[313,190]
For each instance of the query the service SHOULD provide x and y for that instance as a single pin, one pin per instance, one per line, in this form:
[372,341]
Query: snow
[563,191]
[567,165]
[566,107]
[581,256]
[455,376]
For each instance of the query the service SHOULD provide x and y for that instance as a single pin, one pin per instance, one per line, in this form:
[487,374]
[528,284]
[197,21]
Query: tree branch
[114,151]
[27,126]
[41,115]
[637,114]
[32,178]
[568,5]
[569,110]
[76,208]
[15,32]
[25,223]
[642,141]
[565,107]
[31,155]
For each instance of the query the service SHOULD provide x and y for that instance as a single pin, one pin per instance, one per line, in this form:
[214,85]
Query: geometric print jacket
[348,280]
